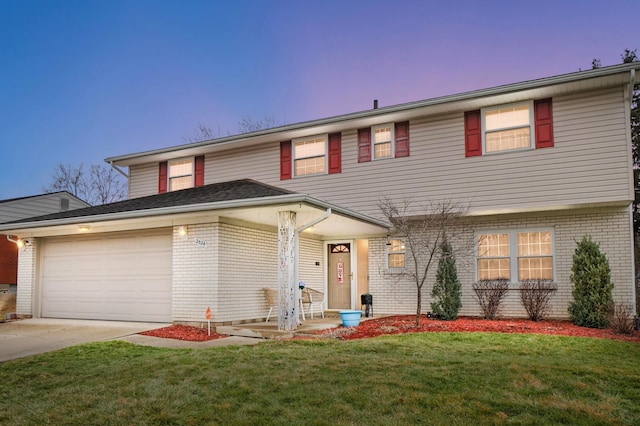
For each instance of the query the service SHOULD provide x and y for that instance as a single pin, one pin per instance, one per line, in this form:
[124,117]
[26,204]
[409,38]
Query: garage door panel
[108,277]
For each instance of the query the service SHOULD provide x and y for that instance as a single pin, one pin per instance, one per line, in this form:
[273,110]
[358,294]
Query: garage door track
[23,338]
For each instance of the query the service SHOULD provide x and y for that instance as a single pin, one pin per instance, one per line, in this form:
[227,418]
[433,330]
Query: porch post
[287,300]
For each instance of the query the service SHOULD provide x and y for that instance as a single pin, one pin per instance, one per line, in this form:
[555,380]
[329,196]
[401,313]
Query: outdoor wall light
[182,230]
[84,228]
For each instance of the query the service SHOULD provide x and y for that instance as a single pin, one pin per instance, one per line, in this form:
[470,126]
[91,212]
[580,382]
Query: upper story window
[527,255]
[310,155]
[313,155]
[382,141]
[180,174]
[395,254]
[502,128]
[507,128]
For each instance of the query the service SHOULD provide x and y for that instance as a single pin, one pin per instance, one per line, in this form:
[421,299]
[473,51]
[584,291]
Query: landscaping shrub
[535,296]
[621,319]
[490,294]
[592,286]
[446,290]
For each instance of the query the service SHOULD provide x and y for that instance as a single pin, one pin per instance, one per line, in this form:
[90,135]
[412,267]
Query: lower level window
[396,254]
[511,255]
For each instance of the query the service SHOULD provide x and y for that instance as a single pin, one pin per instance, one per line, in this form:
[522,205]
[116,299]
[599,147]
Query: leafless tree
[424,230]
[100,185]
[245,125]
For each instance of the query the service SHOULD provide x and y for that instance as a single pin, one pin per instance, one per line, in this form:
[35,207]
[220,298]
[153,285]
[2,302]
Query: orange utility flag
[208,314]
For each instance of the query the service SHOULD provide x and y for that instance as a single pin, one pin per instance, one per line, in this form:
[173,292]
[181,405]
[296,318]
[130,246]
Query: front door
[339,264]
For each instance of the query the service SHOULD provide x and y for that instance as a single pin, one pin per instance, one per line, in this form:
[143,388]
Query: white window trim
[387,253]
[532,141]
[392,130]
[513,248]
[176,160]
[325,136]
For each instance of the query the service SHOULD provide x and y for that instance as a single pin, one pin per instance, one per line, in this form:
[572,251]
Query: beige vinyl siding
[143,180]
[588,164]
[36,206]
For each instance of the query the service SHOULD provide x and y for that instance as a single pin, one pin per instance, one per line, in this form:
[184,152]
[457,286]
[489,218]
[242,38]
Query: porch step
[254,330]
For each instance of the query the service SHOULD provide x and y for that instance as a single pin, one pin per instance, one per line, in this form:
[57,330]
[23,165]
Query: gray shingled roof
[224,191]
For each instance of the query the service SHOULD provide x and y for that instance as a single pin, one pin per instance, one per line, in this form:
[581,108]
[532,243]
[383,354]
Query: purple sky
[84,80]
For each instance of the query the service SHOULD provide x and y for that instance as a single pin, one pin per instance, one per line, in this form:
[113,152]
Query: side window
[390,140]
[519,126]
[180,174]
[382,141]
[507,128]
[396,254]
[310,155]
[524,254]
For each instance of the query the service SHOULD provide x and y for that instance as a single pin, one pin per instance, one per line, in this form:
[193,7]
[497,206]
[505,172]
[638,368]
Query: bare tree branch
[100,186]
[423,230]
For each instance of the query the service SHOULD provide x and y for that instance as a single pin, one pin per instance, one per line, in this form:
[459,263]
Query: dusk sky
[84,80]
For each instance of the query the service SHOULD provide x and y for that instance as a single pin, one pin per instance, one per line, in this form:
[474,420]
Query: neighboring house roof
[539,88]
[65,193]
[240,199]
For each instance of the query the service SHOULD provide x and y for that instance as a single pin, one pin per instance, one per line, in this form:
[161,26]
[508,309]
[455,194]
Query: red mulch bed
[407,324]
[184,332]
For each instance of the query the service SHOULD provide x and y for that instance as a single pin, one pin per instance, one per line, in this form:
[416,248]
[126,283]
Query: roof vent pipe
[375,104]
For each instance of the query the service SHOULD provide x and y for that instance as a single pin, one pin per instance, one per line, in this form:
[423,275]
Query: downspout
[632,84]
[297,251]
[12,240]
[117,169]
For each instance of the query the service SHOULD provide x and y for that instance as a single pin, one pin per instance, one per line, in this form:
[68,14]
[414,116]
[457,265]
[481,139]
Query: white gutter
[117,169]
[313,222]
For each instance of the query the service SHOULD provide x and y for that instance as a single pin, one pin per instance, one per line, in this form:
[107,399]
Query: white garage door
[109,277]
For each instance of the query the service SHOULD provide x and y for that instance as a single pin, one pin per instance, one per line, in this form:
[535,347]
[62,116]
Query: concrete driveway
[23,338]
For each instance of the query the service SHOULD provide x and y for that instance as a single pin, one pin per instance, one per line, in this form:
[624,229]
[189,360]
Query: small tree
[592,286]
[423,231]
[446,291]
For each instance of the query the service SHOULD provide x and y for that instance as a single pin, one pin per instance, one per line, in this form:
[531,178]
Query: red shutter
[472,134]
[364,145]
[162,178]
[285,160]
[198,171]
[543,117]
[402,139]
[335,153]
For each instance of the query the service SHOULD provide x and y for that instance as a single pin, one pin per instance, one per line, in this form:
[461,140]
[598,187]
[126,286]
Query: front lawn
[424,378]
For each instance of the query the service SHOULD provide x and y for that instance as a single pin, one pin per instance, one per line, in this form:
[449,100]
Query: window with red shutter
[286,164]
[198,173]
[472,134]
[364,145]
[335,153]
[543,117]
[162,177]
[402,139]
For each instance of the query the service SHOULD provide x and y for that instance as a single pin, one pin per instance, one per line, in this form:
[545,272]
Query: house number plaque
[201,243]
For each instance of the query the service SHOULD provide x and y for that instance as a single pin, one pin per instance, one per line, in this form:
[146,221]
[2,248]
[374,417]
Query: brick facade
[609,227]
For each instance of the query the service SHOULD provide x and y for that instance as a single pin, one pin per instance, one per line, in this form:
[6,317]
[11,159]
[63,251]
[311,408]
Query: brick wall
[609,227]
[195,272]
[26,279]
[228,274]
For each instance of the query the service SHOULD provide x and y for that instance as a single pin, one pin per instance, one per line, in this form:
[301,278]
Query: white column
[27,256]
[287,300]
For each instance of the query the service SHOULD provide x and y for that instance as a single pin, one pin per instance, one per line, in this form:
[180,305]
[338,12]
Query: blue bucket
[350,318]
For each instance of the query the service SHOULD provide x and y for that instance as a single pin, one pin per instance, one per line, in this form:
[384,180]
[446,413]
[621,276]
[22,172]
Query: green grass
[429,378]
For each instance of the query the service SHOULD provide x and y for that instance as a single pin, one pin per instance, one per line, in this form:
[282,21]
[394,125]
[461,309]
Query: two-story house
[539,163]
